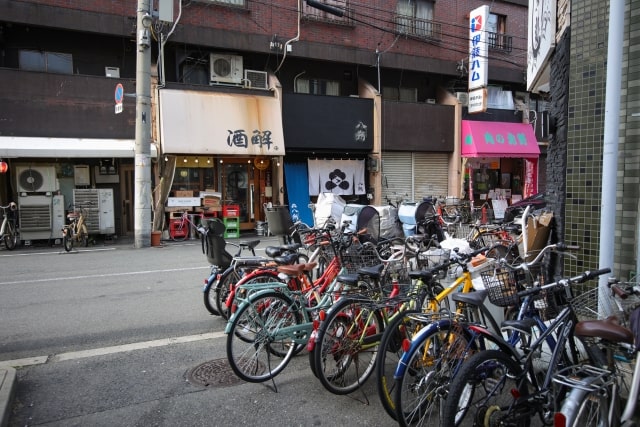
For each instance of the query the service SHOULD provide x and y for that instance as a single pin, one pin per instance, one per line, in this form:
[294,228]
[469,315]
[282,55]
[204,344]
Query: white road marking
[73,355]
[62,252]
[91,276]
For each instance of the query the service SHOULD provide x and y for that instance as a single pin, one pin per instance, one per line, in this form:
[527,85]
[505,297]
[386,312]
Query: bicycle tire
[482,387]
[389,353]
[11,237]
[84,236]
[430,365]
[223,287]
[251,347]
[341,364]
[67,241]
[209,294]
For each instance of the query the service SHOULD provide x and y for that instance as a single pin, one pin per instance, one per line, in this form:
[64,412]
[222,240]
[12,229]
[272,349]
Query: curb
[7,388]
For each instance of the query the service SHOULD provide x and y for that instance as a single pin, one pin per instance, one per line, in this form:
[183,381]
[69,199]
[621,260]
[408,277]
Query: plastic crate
[231,234]
[231,210]
[176,231]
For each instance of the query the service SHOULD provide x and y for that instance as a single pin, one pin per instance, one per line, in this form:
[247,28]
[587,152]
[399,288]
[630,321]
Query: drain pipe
[610,143]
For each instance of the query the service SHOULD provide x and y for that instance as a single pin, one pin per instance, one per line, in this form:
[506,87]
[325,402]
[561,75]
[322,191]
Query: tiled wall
[587,83]
[585,129]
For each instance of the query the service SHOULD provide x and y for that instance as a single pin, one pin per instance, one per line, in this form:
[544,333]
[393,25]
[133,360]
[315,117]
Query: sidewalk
[7,389]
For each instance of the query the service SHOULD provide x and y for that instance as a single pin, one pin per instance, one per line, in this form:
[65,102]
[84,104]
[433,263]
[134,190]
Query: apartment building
[263,102]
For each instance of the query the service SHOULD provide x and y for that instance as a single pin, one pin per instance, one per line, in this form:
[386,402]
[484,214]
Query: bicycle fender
[496,339]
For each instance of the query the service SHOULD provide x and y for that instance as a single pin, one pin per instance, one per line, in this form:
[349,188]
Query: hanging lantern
[4,166]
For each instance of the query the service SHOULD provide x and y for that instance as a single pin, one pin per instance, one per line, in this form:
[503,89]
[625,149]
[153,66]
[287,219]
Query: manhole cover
[214,373]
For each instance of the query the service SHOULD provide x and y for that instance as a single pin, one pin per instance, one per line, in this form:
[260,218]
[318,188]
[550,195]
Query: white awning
[18,147]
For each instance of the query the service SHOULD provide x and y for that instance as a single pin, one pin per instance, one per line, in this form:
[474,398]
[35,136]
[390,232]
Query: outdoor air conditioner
[225,69]
[463,98]
[256,79]
[36,179]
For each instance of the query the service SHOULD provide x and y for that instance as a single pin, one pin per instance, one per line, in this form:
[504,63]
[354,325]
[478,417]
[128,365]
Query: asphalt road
[111,335]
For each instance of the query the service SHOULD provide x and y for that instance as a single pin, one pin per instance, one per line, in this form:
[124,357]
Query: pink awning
[498,139]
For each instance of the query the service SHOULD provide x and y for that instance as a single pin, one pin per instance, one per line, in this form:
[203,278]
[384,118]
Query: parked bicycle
[76,231]
[9,229]
[181,228]
[506,387]
[599,392]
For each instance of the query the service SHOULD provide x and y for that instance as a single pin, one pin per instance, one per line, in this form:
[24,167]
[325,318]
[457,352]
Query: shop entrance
[241,184]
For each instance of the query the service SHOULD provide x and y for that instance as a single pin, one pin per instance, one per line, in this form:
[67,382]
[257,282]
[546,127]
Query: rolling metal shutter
[396,176]
[430,175]
[414,175]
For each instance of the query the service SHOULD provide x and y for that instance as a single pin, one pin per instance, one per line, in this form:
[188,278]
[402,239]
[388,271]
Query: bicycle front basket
[501,286]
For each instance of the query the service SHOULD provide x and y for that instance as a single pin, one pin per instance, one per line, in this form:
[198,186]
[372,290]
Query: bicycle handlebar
[581,278]
[559,247]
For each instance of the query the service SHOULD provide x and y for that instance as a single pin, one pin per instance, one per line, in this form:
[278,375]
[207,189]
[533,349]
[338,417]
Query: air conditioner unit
[225,69]
[256,79]
[36,179]
[463,98]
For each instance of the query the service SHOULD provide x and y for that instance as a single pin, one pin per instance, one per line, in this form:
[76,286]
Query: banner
[341,177]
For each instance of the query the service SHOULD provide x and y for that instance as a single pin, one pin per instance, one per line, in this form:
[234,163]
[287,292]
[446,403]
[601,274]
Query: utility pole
[142,164]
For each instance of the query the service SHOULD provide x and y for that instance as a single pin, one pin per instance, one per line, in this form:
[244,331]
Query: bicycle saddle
[286,259]
[426,276]
[251,244]
[273,251]
[373,272]
[474,298]
[608,329]
[292,270]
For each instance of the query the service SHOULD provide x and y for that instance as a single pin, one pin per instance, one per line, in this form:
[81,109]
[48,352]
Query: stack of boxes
[231,220]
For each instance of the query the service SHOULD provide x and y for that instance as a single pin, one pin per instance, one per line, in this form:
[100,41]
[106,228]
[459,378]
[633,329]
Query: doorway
[127,192]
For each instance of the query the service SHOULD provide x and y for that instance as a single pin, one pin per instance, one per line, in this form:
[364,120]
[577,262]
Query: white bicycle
[9,230]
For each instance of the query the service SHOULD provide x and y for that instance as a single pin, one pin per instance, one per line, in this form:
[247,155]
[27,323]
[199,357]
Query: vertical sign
[478,48]
[118,97]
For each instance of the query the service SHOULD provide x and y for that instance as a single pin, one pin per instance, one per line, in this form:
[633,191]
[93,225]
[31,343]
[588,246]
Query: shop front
[500,161]
[220,145]
[329,140]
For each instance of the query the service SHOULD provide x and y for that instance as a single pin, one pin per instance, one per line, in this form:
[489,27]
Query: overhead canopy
[16,147]
[498,139]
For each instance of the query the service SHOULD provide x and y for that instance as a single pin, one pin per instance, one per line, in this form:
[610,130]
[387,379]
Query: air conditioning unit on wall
[36,179]
[225,69]
[256,79]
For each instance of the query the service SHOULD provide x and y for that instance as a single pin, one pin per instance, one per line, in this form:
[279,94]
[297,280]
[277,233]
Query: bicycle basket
[355,258]
[501,286]
[591,304]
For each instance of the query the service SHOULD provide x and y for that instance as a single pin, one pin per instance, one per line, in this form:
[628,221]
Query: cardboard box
[183,193]
[211,201]
[538,229]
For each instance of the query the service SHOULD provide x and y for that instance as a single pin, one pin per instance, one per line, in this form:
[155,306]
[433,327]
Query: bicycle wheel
[83,238]
[481,393]
[223,287]
[585,408]
[255,349]
[11,237]
[67,241]
[402,327]
[430,365]
[346,346]
[209,292]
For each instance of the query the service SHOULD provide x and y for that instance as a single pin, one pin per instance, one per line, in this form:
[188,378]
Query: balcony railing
[419,28]
[499,41]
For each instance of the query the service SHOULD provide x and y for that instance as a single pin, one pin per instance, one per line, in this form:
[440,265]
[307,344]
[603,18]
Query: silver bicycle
[9,230]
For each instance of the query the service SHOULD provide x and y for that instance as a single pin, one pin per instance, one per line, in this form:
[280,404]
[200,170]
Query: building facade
[254,101]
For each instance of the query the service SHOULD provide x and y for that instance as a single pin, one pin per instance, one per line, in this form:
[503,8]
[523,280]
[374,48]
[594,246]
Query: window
[310,12]
[415,18]
[318,87]
[51,62]
[404,94]
[229,2]
[496,28]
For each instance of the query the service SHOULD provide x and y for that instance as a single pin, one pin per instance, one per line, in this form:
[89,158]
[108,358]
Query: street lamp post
[142,171]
